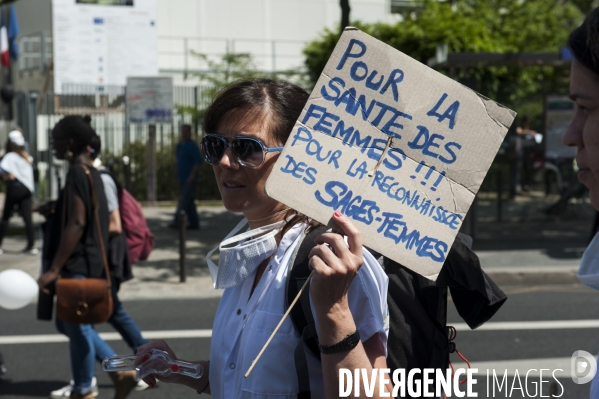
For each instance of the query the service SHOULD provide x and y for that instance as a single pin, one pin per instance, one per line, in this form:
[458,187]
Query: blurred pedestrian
[527,147]
[17,172]
[523,145]
[72,249]
[583,134]
[120,271]
[188,171]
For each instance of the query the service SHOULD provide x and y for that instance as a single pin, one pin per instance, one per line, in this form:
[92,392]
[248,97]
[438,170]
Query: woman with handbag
[75,258]
[120,270]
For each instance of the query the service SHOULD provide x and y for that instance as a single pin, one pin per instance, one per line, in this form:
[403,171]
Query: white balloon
[17,289]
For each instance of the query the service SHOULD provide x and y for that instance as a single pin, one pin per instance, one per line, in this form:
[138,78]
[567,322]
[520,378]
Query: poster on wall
[98,43]
[559,112]
[150,100]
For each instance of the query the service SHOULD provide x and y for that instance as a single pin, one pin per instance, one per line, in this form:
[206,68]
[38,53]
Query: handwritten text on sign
[392,144]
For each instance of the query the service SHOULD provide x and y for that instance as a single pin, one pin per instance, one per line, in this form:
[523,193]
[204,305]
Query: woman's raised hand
[334,264]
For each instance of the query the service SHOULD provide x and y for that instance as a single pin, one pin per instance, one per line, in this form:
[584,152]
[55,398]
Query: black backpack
[418,333]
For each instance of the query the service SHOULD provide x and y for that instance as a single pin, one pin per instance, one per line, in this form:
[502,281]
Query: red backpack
[140,239]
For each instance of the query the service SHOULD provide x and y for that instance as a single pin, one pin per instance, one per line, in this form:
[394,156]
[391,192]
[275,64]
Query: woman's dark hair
[584,42]
[279,103]
[96,146]
[95,143]
[78,129]
[12,147]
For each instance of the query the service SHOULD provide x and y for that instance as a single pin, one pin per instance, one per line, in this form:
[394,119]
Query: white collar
[588,273]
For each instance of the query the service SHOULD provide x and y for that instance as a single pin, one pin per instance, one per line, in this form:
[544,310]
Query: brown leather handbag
[86,300]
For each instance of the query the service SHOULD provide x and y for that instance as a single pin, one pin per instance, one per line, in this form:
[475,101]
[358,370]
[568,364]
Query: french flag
[4,53]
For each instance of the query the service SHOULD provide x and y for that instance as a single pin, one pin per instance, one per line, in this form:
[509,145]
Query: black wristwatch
[346,344]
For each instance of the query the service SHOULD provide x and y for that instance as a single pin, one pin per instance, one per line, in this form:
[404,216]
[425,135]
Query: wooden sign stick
[278,325]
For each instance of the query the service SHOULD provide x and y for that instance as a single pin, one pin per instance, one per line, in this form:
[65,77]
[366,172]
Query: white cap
[16,138]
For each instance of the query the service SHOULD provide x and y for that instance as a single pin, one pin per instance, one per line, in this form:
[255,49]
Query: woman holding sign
[583,133]
[248,124]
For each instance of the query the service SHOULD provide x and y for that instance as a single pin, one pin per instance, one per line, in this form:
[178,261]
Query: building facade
[274,32]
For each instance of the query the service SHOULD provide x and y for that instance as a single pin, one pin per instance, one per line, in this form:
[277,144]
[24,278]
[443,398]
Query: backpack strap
[99,229]
[301,314]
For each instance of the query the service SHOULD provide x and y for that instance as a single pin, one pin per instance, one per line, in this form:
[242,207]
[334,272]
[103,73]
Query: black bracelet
[203,389]
[205,386]
[346,344]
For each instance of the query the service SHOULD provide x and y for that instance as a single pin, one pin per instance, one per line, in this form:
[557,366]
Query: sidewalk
[527,247]
[158,277]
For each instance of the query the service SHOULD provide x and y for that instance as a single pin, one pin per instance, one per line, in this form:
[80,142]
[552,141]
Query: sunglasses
[248,151]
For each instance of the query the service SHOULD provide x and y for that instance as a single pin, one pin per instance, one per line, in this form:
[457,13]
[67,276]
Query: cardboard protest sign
[396,146]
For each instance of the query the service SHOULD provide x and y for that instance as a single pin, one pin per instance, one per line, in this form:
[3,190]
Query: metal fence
[176,53]
[37,114]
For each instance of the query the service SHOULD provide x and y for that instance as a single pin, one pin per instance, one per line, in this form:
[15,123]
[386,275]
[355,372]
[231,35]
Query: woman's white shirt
[242,326]
[588,274]
[18,166]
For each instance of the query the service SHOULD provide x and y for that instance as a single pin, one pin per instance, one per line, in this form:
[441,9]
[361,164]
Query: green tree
[167,187]
[220,73]
[229,68]
[478,26]
[586,5]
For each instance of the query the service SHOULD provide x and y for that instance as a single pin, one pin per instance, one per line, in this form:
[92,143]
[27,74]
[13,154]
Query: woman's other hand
[46,209]
[163,346]
[334,265]
[47,278]
[7,176]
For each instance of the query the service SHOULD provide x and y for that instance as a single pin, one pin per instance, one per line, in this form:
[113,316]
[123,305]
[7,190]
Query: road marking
[49,338]
[174,334]
[561,366]
[530,325]
[32,339]
[578,289]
